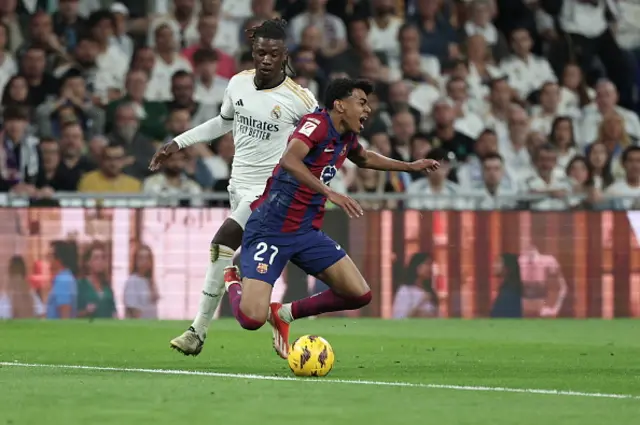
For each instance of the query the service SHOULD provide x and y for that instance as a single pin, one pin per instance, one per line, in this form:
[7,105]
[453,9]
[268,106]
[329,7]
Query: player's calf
[248,302]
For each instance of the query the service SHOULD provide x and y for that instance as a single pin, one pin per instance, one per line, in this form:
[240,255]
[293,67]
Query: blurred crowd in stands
[528,103]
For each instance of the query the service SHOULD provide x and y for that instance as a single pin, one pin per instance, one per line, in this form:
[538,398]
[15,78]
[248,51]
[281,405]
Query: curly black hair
[272,29]
[341,88]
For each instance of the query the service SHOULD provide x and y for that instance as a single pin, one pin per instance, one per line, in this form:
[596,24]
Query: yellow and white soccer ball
[311,355]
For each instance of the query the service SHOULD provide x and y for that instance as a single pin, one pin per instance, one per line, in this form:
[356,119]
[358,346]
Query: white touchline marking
[328,381]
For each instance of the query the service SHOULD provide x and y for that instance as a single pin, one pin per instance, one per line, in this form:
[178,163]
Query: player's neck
[337,122]
[269,84]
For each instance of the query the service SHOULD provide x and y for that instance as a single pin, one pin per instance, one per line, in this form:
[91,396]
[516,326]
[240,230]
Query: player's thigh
[262,260]
[230,233]
[241,199]
[322,257]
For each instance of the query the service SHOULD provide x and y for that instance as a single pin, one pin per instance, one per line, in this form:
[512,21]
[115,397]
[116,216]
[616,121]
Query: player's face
[356,111]
[268,57]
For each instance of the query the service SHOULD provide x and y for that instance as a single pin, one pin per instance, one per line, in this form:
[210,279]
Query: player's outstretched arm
[205,132]
[292,162]
[368,159]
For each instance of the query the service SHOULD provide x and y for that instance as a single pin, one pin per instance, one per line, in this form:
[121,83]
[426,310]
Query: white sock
[285,313]
[221,257]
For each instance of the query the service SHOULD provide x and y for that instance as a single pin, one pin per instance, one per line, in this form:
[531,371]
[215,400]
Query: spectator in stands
[32,67]
[384,27]
[172,182]
[481,66]
[67,24]
[41,35]
[574,93]
[370,181]
[351,59]
[424,89]
[526,72]
[554,187]
[74,164]
[110,58]
[544,115]
[445,135]
[101,84]
[513,147]
[607,103]
[496,114]
[167,63]
[416,297]
[437,35]
[209,88]
[17,299]
[95,148]
[613,135]
[403,127]
[120,39]
[19,160]
[73,105]
[95,296]
[629,185]
[62,300]
[16,93]
[587,28]
[333,30]
[139,149]
[8,66]
[563,138]
[599,160]
[140,290]
[182,22]
[429,65]
[182,90]
[149,113]
[11,20]
[435,192]
[109,178]
[466,122]
[51,176]
[469,174]
[579,173]
[479,23]
[305,65]
[498,189]
[207,28]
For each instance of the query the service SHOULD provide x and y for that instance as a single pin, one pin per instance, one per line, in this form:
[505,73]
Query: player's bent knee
[250,323]
[252,316]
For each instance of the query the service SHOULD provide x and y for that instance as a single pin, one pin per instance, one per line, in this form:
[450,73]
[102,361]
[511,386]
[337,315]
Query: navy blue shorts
[265,253]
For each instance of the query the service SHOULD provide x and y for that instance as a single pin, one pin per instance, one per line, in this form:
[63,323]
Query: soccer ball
[311,355]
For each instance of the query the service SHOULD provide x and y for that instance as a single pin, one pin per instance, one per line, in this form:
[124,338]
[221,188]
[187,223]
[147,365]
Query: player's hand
[162,155]
[424,165]
[348,205]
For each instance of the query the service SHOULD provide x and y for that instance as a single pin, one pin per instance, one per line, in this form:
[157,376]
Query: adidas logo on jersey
[239,103]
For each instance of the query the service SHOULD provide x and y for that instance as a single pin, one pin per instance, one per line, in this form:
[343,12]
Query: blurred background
[531,105]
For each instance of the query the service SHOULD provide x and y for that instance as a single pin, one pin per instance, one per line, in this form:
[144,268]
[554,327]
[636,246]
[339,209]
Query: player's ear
[339,106]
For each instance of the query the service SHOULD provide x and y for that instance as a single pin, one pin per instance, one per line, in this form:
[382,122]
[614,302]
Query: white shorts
[240,198]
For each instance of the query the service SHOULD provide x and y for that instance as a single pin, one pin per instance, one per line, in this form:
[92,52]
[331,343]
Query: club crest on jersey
[262,268]
[276,113]
[328,173]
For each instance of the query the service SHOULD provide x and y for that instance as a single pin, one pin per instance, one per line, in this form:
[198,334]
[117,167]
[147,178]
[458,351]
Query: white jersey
[263,120]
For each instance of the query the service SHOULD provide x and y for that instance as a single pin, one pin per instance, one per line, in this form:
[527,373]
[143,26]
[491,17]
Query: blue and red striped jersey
[287,205]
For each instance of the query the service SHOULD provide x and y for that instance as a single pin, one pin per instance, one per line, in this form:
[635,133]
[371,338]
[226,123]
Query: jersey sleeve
[226,110]
[304,102]
[311,130]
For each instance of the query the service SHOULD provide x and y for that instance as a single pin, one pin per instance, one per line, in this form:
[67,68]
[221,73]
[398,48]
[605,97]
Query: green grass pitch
[484,363]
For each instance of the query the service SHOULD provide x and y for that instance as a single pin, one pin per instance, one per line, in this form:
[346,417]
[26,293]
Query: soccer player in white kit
[262,107]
